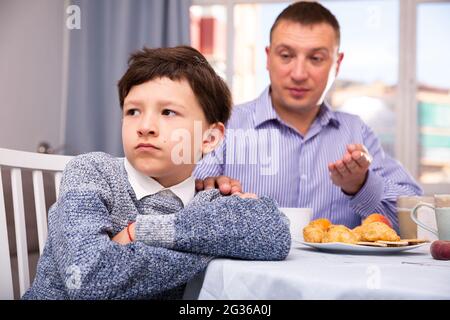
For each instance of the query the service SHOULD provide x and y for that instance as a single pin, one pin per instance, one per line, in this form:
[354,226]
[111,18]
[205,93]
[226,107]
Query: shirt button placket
[302,177]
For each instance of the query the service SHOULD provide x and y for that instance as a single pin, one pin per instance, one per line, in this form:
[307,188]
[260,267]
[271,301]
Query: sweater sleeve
[79,231]
[251,229]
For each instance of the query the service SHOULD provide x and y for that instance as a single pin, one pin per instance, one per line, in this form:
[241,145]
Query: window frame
[406,137]
[407,117]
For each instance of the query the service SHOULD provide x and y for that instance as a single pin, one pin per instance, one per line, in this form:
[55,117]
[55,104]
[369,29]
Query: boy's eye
[133,112]
[168,112]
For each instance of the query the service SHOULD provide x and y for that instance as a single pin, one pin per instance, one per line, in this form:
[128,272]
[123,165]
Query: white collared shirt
[144,186]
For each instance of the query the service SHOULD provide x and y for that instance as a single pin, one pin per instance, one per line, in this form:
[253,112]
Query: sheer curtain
[97,57]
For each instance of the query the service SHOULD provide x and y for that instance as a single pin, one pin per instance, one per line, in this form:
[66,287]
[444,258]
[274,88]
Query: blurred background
[60,62]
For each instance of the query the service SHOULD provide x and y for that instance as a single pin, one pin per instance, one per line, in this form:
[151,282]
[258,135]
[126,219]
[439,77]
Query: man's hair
[307,14]
[180,63]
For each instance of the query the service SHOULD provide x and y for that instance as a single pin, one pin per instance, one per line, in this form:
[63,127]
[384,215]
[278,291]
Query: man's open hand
[350,172]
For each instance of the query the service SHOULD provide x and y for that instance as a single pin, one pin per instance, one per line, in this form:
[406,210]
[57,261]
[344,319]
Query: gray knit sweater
[173,244]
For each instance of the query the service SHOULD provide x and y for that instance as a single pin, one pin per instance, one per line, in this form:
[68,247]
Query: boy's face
[164,130]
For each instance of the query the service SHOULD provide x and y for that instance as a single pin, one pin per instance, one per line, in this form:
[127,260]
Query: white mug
[298,219]
[442,211]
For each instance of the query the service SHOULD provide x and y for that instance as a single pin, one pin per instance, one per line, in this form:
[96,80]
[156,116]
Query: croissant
[378,231]
[321,223]
[339,233]
[358,232]
[322,230]
[313,234]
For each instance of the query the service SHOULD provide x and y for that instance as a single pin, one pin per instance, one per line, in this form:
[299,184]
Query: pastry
[357,231]
[315,230]
[313,234]
[371,230]
[378,231]
[322,223]
[339,233]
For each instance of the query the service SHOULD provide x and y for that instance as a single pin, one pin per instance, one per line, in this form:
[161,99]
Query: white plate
[355,248]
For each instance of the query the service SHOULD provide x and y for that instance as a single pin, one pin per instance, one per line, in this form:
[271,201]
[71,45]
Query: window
[208,34]
[371,94]
[368,78]
[252,34]
[433,91]
[392,74]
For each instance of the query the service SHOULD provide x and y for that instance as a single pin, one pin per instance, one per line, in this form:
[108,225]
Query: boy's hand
[122,237]
[225,184]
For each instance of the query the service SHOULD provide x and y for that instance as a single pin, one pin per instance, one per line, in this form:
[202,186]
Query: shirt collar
[327,116]
[266,111]
[144,186]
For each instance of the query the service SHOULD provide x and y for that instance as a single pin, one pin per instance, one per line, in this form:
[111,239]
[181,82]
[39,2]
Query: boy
[94,252]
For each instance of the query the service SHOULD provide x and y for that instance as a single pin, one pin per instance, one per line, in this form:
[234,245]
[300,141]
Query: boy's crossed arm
[128,234]
[234,226]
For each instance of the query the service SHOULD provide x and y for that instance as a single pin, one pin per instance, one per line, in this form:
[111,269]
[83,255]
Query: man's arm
[383,179]
[232,226]
[212,164]
[209,173]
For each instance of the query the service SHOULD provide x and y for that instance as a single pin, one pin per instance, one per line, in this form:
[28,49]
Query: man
[326,160]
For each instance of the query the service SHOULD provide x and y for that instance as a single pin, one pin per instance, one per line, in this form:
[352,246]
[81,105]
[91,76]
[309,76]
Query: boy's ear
[212,137]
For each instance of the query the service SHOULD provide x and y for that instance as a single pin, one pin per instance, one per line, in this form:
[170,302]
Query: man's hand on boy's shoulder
[246,195]
[225,184]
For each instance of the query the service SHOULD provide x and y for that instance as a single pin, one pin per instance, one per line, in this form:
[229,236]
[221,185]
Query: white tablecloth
[311,274]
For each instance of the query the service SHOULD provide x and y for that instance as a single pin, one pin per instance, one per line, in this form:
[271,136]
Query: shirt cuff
[370,195]
[156,230]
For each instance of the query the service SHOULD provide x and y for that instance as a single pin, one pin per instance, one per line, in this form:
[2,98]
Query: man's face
[161,120]
[303,62]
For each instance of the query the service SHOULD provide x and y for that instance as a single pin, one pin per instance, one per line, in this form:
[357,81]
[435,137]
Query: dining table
[327,274]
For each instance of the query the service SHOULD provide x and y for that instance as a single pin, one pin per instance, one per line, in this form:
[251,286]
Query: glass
[367,81]
[208,34]
[433,91]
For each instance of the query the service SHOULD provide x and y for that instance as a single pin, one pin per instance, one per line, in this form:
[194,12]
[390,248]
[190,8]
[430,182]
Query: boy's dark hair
[308,13]
[180,63]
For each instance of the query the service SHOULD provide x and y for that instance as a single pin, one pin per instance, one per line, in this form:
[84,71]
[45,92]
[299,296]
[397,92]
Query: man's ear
[339,61]
[267,57]
[212,137]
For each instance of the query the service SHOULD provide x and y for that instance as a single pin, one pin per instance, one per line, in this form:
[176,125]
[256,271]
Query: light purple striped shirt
[271,158]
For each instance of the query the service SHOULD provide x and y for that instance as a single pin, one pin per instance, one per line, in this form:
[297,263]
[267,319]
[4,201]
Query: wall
[31,89]
[31,57]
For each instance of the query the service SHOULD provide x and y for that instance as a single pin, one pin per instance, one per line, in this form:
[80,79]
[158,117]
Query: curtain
[98,53]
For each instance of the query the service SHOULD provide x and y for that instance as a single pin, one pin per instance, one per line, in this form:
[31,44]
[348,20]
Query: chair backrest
[37,163]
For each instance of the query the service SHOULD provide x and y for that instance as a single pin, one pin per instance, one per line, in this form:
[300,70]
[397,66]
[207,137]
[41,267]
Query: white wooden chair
[16,161]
